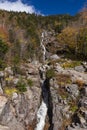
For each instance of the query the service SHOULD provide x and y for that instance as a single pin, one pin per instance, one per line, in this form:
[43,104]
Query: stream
[46,107]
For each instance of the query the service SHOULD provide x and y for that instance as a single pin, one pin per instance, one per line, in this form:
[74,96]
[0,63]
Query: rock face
[69,111]
[21,111]
[66,103]
[57,101]
[18,112]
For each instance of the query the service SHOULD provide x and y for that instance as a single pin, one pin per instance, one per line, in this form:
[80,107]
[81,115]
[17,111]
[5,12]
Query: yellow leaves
[10,91]
[68,36]
[69,30]
[3,33]
[84,15]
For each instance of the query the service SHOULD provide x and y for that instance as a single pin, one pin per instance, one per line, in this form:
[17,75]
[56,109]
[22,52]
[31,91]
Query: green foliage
[2,64]
[27,29]
[16,60]
[82,41]
[50,73]
[71,64]
[74,108]
[21,86]
[3,49]
[30,82]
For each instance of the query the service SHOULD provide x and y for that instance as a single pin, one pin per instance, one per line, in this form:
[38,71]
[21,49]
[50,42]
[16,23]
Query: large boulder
[54,57]
[80,68]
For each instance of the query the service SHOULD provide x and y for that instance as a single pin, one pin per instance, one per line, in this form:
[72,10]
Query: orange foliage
[3,33]
[68,37]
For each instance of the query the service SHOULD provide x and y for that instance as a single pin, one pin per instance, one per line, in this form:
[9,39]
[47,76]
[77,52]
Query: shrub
[63,79]
[80,83]
[50,73]
[71,64]
[2,64]
[74,108]
[9,91]
[73,105]
[21,86]
[3,48]
[30,82]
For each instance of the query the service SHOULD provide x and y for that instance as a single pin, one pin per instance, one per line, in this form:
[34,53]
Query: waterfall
[46,107]
[41,115]
[42,46]
[44,110]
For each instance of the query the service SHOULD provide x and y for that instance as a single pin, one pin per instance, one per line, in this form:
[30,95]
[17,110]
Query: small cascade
[43,47]
[46,107]
[41,115]
[42,112]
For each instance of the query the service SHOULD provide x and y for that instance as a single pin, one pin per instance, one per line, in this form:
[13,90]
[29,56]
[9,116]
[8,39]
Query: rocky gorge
[51,95]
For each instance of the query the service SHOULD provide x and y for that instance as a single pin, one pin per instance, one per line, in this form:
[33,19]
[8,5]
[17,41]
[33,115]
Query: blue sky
[46,7]
[58,6]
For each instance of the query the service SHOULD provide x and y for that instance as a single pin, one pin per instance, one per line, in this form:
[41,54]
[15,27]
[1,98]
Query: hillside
[21,31]
[43,71]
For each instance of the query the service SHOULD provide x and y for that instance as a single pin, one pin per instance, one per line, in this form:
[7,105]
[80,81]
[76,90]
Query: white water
[42,112]
[41,116]
[43,47]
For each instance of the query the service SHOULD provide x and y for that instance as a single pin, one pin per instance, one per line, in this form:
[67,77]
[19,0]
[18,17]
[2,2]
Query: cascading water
[41,115]
[43,47]
[42,112]
[46,105]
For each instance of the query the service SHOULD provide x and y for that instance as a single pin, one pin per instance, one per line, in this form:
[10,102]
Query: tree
[68,38]
[3,50]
